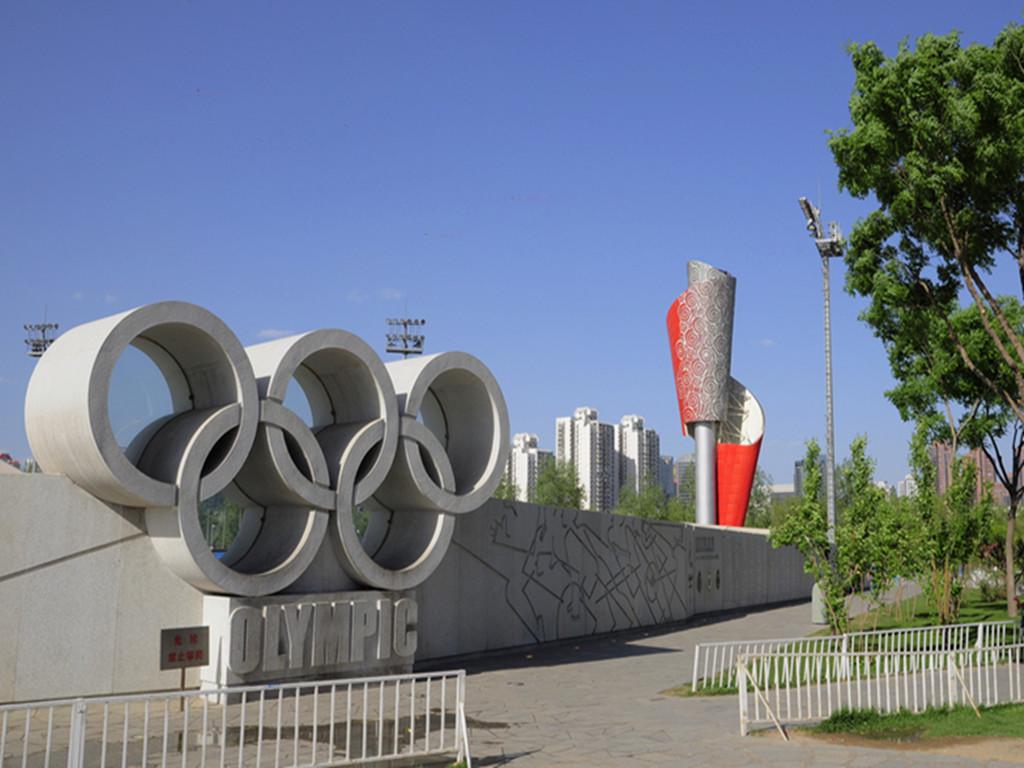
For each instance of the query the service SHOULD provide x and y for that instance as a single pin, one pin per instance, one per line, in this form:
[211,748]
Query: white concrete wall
[519,574]
[82,595]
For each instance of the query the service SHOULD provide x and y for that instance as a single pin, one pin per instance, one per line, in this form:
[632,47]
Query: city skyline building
[639,452]
[666,476]
[907,487]
[606,457]
[941,455]
[798,477]
[525,461]
[685,467]
[986,478]
[589,446]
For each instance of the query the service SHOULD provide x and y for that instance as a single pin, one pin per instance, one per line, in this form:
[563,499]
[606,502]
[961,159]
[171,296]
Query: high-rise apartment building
[685,477]
[666,476]
[985,478]
[525,462]
[565,438]
[638,452]
[906,487]
[589,446]
[942,458]
[798,478]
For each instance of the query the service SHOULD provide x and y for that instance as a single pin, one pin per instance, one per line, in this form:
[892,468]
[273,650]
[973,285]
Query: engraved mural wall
[519,574]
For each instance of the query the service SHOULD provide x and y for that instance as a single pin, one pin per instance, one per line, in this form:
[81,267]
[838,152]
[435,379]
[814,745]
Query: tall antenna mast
[401,341]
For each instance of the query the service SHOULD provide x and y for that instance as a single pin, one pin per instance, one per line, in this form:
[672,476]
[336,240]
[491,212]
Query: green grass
[686,690]
[916,612]
[1003,720]
[911,612]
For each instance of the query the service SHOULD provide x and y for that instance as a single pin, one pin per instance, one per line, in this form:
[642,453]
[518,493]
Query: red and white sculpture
[723,417]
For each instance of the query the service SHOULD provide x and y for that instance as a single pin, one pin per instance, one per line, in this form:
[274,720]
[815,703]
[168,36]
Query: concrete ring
[347,387]
[409,544]
[459,401]
[271,552]
[67,410]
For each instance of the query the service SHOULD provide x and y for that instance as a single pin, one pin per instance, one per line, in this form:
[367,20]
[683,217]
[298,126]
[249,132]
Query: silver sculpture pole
[704,355]
[705,472]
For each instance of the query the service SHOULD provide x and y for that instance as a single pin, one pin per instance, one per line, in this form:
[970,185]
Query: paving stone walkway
[598,703]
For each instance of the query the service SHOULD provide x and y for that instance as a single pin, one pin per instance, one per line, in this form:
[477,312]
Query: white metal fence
[780,688]
[714,664]
[338,722]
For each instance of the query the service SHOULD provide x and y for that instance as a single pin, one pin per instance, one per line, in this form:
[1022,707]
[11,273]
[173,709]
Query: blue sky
[530,177]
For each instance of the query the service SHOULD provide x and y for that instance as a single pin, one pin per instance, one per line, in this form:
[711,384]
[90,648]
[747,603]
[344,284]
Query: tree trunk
[1011,585]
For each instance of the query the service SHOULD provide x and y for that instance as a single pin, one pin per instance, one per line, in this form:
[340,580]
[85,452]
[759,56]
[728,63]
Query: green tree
[871,535]
[642,504]
[652,503]
[760,506]
[559,486]
[505,490]
[963,411]
[781,509]
[938,141]
[948,528]
[220,517]
[687,485]
[679,511]
[806,529]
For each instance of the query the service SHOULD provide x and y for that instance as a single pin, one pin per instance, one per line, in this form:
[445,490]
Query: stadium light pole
[400,340]
[828,248]
[40,337]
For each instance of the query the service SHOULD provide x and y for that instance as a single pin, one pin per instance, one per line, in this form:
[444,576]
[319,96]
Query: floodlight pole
[40,337]
[830,430]
[828,248]
[400,341]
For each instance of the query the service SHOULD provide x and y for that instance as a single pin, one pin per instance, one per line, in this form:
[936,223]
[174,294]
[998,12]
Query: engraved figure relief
[580,573]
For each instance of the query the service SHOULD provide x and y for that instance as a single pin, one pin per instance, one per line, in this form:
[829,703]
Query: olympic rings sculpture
[408,444]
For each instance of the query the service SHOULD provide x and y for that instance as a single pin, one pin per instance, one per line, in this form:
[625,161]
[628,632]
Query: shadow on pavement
[503,759]
[590,648]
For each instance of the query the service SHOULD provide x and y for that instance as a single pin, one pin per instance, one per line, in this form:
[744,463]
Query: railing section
[782,688]
[714,664]
[337,722]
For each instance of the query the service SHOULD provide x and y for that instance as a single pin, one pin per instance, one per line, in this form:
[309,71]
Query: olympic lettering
[362,496]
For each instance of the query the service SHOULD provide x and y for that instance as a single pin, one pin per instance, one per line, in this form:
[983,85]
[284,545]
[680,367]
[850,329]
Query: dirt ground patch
[1006,749]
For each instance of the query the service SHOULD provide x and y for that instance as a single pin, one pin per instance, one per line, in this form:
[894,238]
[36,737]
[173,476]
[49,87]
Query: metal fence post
[76,738]
[463,732]
[950,680]
[845,666]
[741,679]
[696,659]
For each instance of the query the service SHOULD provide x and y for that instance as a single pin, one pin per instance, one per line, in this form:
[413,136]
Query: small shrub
[846,720]
[992,588]
[686,690]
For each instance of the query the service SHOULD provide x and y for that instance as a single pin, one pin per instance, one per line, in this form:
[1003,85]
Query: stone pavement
[597,703]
